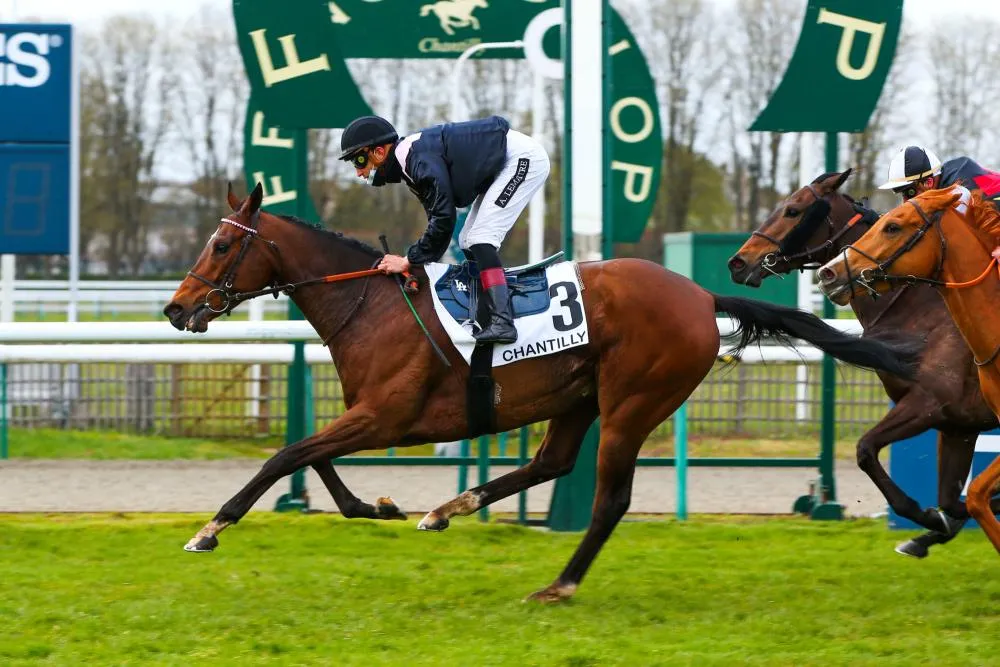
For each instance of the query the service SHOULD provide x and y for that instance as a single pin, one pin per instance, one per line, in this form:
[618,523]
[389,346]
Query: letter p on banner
[840,64]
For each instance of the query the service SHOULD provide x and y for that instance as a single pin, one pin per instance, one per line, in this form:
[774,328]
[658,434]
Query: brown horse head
[230,263]
[801,232]
[905,242]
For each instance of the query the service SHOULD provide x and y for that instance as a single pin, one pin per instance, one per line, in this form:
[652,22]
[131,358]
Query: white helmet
[910,164]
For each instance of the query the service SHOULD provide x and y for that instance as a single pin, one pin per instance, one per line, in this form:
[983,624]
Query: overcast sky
[93,11]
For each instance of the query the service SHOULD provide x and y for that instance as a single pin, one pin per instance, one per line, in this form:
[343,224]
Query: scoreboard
[36,138]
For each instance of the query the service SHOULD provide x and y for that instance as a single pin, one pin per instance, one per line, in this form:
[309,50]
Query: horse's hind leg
[978,501]
[554,458]
[622,434]
[350,505]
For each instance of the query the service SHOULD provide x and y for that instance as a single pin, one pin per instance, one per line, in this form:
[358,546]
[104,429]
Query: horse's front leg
[353,431]
[349,504]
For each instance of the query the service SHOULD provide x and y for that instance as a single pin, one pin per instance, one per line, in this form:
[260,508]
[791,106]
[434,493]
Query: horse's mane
[982,214]
[337,236]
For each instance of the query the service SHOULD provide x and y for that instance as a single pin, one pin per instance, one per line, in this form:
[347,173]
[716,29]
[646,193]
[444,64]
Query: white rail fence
[43,359]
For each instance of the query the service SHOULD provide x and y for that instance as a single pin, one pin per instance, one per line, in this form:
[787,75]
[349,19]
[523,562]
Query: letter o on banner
[647,119]
[534,34]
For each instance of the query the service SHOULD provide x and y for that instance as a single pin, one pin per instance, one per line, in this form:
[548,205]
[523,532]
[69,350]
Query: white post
[587,123]
[7,266]
[807,172]
[536,213]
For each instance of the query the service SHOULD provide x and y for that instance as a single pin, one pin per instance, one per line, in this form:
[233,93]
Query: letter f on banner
[852,26]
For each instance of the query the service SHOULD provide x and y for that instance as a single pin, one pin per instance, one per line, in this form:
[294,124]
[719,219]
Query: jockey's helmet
[909,165]
[366,132]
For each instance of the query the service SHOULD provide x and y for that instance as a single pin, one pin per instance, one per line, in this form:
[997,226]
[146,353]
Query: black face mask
[390,171]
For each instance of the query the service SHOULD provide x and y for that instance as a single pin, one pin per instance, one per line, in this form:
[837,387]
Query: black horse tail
[758,319]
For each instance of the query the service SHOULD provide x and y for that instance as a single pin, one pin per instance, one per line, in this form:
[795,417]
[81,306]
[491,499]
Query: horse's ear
[840,179]
[253,201]
[233,201]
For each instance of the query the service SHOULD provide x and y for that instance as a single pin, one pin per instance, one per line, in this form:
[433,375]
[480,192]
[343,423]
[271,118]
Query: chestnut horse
[813,226]
[652,339]
[927,240]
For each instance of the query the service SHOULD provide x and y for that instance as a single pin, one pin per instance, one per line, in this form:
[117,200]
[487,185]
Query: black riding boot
[500,326]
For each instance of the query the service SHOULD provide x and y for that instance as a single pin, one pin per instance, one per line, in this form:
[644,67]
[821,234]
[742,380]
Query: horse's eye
[221,247]
[892,228]
[792,212]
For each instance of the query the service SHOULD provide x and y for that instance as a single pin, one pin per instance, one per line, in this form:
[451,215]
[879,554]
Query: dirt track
[202,486]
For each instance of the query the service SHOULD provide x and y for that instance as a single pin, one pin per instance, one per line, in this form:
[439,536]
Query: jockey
[480,162]
[915,169]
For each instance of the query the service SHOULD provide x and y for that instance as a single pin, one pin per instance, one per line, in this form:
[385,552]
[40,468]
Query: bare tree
[871,150]
[126,85]
[758,53]
[211,101]
[683,49]
[964,56]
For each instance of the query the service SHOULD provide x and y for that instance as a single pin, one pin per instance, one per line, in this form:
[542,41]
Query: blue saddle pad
[529,290]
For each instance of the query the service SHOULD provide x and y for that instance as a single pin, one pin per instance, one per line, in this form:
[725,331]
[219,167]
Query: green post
[3,412]
[484,471]
[522,460]
[298,425]
[463,468]
[681,460]
[826,506]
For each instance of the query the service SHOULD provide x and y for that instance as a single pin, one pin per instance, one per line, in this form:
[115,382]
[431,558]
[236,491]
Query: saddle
[528,286]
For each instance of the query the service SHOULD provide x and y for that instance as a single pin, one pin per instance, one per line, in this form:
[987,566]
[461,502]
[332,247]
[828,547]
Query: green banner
[835,77]
[276,158]
[429,29]
[297,74]
[637,143]
[294,51]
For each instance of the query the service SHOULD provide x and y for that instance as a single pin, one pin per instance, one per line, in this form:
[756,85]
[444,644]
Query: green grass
[57,444]
[44,443]
[297,590]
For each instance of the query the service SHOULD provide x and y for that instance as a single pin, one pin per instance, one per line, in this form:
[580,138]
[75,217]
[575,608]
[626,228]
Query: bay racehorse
[652,339]
[811,227]
[935,239]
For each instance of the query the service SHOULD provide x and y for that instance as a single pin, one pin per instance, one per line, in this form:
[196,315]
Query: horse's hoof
[552,594]
[202,544]
[386,508]
[913,548]
[433,522]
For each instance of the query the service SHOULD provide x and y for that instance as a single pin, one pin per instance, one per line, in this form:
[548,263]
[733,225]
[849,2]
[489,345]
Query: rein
[781,254]
[407,282]
[868,277]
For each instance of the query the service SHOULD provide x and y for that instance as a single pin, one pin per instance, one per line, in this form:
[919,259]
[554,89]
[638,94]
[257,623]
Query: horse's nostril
[173,310]
[736,264]
[826,275]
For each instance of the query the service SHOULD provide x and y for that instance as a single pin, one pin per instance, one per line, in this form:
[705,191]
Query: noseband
[224,287]
[868,277]
[805,227]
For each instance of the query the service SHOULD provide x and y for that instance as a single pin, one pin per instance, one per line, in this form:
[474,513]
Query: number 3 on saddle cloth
[547,300]
[547,303]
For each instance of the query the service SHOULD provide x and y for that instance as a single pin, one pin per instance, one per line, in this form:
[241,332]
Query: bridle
[224,287]
[805,228]
[868,277]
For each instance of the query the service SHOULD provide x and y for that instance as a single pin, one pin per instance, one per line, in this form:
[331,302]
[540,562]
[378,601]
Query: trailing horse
[935,240]
[652,339]
[811,227]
